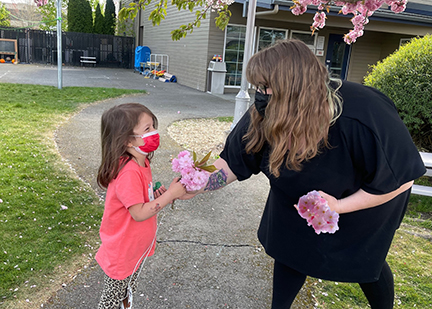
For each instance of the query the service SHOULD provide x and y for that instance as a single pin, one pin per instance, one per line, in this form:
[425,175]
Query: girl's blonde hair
[117,125]
[302,107]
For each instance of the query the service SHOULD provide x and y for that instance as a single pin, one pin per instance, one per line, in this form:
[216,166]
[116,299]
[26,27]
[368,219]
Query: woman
[305,132]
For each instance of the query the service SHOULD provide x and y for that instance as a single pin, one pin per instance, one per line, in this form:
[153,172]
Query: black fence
[36,46]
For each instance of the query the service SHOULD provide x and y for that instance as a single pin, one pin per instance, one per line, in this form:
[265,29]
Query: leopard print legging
[115,291]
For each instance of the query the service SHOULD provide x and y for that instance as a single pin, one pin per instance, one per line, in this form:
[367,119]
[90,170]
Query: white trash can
[216,77]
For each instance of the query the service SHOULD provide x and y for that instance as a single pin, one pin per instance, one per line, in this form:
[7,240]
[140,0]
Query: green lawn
[42,241]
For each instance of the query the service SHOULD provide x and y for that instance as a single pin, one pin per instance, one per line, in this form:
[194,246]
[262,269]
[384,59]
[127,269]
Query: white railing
[424,190]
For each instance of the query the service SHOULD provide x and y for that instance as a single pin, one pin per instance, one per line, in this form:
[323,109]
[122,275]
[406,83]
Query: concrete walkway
[207,255]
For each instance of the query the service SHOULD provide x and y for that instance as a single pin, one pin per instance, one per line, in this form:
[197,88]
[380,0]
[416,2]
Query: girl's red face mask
[151,142]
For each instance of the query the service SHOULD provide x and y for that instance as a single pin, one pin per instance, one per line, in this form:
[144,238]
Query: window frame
[308,33]
[403,41]
[287,32]
[225,49]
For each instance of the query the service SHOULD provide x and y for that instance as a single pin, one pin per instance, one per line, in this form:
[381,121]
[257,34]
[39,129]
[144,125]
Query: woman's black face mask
[261,101]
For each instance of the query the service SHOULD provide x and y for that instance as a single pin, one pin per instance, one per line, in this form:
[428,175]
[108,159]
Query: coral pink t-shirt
[125,240]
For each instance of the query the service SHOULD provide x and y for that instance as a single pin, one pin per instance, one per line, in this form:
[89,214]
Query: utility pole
[243,98]
[59,45]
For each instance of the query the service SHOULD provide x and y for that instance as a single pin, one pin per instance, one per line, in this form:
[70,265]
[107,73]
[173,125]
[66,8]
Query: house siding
[368,50]
[365,52]
[188,56]
[216,41]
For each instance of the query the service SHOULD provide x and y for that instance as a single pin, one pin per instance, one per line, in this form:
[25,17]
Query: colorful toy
[217,58]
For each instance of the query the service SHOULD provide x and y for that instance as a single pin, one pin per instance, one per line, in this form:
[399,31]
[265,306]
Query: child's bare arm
[141,212]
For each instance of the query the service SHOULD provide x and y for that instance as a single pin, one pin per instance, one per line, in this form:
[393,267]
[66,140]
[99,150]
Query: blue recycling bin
[142,54]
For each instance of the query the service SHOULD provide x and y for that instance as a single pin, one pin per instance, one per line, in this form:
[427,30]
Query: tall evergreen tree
[73,15]
[87,16]
[80,18]
[99,21]
[110,17]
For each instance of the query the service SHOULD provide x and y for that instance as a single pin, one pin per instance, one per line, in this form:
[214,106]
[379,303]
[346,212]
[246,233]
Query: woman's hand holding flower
[333,203]
[314,208]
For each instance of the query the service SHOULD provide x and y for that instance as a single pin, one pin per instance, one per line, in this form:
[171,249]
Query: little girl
[128,228]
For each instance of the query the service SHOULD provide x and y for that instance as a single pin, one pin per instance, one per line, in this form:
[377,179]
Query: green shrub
[406,77]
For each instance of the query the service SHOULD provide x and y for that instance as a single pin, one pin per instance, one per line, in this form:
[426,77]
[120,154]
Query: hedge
[406,77]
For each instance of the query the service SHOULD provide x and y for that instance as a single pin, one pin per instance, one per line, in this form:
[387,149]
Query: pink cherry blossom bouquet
[194,173]
[316,211]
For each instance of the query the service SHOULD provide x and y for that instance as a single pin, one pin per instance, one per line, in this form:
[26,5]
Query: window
[268,37]
[306,37]
[404,41]
[234,50]
[235,43]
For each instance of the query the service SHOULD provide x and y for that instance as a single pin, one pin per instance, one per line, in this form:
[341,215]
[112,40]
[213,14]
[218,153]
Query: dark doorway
[338,53]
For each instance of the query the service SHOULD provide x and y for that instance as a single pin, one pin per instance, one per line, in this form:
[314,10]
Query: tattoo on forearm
[157,208]
[216,181]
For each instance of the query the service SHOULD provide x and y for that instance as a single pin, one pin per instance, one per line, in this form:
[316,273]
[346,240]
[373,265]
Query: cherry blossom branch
[361,9]
[41,2]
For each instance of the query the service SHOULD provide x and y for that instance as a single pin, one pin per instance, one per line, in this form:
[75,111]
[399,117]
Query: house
[23,14]
[189,58]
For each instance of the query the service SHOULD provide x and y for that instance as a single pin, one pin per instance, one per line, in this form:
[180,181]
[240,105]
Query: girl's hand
[159,191]
[332,202]
[176,188]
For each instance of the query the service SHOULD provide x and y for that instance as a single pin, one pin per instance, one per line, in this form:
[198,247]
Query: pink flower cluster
[41,2]
[319,21]
[217,5]
[192,178]
[361,9]
[315,210]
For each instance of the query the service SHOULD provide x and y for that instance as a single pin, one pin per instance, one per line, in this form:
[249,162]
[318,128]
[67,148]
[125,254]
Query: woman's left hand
[332,202]
[188,195]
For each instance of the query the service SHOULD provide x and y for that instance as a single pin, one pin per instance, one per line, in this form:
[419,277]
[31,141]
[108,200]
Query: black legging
[287,282]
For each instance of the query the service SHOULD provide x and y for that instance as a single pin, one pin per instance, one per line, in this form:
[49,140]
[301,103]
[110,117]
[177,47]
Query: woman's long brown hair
[117,125]
[301,109]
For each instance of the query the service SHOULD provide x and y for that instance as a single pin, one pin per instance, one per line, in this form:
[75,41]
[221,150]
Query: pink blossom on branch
[352,36]
[319,21]
[41,2]
[398,6]
[348,8]
[361,9]
[298,9]
[359,21]
[218,4]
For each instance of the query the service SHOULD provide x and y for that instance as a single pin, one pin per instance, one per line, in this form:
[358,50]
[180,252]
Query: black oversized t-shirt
[371,149]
